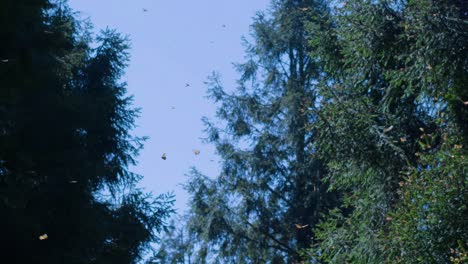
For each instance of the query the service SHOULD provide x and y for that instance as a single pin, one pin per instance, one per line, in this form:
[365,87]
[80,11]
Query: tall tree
[392,132]
[269,195]
[66,194]
[177,245]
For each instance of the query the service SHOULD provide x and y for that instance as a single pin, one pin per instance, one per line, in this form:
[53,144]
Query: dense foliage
[269,193]
[344,142]
[66,195]
[351,121]
[394,132]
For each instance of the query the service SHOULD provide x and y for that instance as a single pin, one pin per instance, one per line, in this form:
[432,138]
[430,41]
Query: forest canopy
[344,141]
[66,193]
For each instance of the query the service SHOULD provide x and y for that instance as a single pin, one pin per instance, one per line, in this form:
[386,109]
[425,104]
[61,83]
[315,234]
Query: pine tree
[177,245]
[269,195]
[392,132]
[66,195]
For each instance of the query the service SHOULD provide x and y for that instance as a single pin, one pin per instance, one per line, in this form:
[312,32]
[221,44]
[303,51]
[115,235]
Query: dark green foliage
[177,246]
[269,194]
[392,110]
[65,145]
[373,107]
[428,224]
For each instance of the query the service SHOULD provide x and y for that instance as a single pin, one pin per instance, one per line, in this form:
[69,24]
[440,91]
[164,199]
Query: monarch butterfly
[43,237]
[163,156]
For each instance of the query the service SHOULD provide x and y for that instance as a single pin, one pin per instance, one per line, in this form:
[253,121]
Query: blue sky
[175,43]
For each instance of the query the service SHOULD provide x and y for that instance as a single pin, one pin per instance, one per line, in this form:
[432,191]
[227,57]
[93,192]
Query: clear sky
[174,43]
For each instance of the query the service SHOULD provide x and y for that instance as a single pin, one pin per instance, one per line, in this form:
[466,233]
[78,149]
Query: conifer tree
[66,194]
[393,132]
[269,194]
